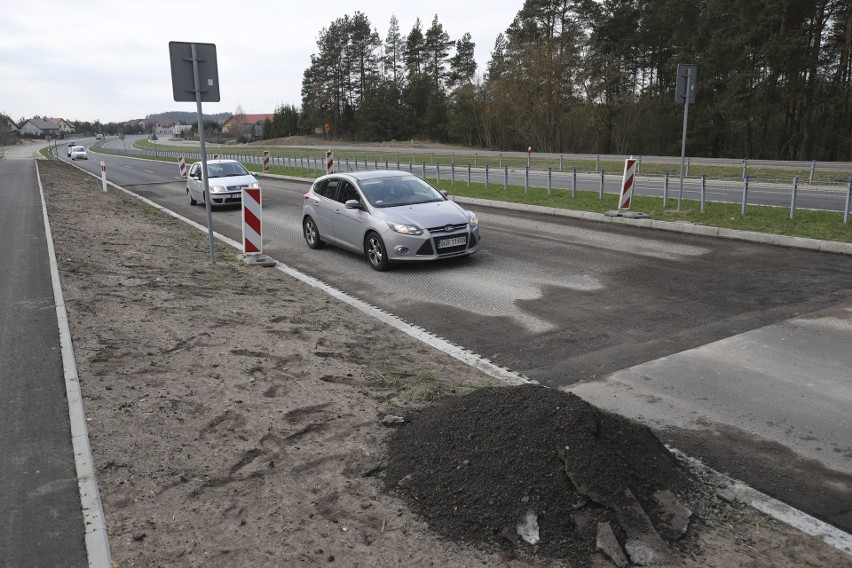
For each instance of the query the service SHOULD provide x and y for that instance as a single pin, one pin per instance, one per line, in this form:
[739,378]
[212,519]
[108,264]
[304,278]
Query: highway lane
[573,303]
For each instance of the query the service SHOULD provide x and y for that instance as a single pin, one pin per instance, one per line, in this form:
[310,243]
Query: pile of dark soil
[479,468]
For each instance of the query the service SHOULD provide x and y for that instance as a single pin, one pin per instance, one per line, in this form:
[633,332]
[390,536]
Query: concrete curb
[95,531]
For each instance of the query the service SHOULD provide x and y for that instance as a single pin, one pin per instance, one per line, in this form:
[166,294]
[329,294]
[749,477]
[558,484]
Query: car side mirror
[353,204]
[445,194]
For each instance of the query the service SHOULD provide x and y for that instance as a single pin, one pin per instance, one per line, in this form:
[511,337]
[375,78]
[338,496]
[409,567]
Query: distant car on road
[99,137]
[226,179]
[389,217]
[71,144]
[79,153]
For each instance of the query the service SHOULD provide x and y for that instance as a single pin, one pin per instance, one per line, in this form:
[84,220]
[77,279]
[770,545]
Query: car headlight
[254,185]
[217,189]
[404,229]
[472,219]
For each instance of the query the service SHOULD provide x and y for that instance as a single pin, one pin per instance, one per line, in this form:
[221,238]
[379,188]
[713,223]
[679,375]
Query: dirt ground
[239,417]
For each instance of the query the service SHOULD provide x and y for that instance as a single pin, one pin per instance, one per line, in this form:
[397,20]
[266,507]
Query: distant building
[181,128]
[39,127]
[250,125]
[65,126]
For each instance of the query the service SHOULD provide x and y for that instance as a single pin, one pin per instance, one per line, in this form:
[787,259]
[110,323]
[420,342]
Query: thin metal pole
[437,173]
[793,197]
[665,189]
[549,180]
[205,180]
[602,185]
[848,199]
[468,175]
[683,137]
[573,182]
[453,172]
[703,190]
[527,179]
[745,194]
[505,178]
[486,177]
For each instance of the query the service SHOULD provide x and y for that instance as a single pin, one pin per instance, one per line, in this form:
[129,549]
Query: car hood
[233,181]
[426,215]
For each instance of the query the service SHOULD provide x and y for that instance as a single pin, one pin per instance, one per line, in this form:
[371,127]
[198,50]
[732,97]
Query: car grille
[428,248]
[446,229]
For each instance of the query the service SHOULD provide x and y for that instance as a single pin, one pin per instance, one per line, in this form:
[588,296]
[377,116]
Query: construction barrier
[252,221]
[265,161]
[627,184]
[329,162]
[182,166]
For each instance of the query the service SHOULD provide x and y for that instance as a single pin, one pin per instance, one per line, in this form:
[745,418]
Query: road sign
[183,76]
[327,127]
[687,76]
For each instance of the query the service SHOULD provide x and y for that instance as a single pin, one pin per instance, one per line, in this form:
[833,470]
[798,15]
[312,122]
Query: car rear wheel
[374,250]
[312,235]
[192,200]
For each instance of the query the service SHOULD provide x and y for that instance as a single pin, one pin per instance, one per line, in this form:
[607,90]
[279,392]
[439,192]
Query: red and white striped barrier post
[182,166]
[103,175]
[252,221]
[266,161]
[329,162]
[627,183]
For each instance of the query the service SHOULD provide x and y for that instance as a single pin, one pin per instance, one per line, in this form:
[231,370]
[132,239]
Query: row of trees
[774,80]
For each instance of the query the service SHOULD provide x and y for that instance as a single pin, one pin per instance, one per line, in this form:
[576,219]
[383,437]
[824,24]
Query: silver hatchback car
[388,216]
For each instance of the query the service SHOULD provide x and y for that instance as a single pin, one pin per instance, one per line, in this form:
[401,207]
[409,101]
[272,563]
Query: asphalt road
[630,316]
[41,523]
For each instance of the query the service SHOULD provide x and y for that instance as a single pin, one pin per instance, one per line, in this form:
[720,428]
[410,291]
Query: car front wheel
[312,234]
[192,200]
[374,250]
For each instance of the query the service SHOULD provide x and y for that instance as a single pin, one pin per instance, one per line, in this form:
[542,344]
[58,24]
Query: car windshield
[78,149]
[396,192]
[226,170]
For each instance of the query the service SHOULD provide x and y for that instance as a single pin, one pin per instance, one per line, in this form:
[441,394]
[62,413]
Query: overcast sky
[109,60]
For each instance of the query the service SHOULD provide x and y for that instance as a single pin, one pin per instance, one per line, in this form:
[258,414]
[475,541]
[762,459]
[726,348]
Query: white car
[79,153]
[71,144]
[226,179]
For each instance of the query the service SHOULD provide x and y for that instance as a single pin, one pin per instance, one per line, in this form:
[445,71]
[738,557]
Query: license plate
[454,242]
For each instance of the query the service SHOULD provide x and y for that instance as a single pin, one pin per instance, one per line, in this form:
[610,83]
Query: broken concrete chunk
[608,544]
[674,517]
[527,529]
[644,546]
[391,420]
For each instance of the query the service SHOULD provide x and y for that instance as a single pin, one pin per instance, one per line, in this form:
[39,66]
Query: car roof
[371,174]
[219,162]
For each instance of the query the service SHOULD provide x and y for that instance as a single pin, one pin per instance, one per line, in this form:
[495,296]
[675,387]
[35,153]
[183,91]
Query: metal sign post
[197,82]
[684,93]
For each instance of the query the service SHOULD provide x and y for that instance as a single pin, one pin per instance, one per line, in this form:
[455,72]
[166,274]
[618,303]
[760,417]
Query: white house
[39,127]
